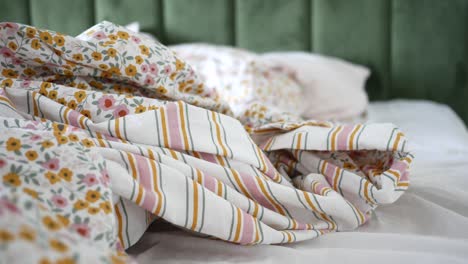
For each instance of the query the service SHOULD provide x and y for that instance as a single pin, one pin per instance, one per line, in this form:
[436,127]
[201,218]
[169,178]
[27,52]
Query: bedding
[104,133]
[429,224]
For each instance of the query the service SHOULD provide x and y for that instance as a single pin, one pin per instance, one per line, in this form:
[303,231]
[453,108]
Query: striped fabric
[202,171]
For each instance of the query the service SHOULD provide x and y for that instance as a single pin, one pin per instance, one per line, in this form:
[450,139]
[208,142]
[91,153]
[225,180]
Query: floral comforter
[103,133]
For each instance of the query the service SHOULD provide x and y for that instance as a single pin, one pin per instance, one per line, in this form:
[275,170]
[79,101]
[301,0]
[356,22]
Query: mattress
[428,224]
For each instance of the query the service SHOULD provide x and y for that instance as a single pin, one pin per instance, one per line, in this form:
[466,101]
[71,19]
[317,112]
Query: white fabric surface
[428,224]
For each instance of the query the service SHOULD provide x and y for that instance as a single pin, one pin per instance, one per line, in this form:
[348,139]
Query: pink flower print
[135,39]
[149,80]
[11,28]
[9,206]
[99,35]
[82,229]
[7,53]
[35,137]
[59,201]
[25,84]
[2,163]
[90,179]
[16,61]
[144,68]
[153,68]
[106,102]
[105,179]
[52,164]
[167,69]
[120,111]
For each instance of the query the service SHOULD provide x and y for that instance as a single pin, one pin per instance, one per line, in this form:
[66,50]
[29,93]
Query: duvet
[103,133]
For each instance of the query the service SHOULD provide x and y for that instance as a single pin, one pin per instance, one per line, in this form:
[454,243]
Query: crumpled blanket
[85,168]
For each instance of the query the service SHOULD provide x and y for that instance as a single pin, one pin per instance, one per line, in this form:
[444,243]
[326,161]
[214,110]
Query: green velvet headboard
[415,48]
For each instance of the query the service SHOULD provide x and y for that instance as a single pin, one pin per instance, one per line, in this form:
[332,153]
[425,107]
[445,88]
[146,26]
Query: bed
[416,50]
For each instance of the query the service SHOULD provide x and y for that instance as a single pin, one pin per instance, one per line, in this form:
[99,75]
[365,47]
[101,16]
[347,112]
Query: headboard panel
[415,48]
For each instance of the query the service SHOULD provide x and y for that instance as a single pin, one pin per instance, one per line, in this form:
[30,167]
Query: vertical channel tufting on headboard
[415,48]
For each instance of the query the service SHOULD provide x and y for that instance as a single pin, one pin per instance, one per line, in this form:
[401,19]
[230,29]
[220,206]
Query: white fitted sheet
[428,224]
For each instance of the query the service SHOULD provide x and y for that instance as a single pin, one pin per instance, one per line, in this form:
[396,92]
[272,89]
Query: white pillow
[333,89]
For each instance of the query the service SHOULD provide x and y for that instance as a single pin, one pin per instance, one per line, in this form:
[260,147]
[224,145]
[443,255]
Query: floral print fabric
[85,167]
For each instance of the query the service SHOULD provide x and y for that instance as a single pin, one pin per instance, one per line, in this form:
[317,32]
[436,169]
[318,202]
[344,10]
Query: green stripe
[359,135]
[390,139]
[232,222]
[188,126]
[126,221]
[162,190]
[354,212]
[203,210]
[225,138]
[187,201]
[211,133]
[157,127]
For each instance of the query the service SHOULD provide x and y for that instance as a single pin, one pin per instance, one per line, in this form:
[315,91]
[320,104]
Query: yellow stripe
[36,110]
[269,143]
[333,139]
[366,192]
[173,154]
[262,188]
[257,237]
[99,138]
[324,216]
[238,227]
[132,165]
[65,115]
[164,128]
[323,167]
[361,216]
[395,145]
[220,188]
[220,160]
[140,194]
[353,134]
[182,122]
[195,205]
[155,182]
[289,236]
[119,221]
[335,180]
[240,184]
[299,137]
[255,212]
[218,134]
[82,118]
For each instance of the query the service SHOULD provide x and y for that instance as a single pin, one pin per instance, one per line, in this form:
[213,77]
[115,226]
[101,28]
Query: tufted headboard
[415,48]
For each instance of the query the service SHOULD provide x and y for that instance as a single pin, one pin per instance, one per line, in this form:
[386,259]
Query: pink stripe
[173,120]
[257,195]
[209,182]
[107,137]
[73,118]
[404,176]
[149,200]
[343,137]
[247,229]
[208,157]
[399,166]
[330,172]
[143,171]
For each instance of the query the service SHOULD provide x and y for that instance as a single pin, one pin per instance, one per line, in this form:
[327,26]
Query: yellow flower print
[114,70]
[12,46]
[68,73]
[47,144]
[65,261]
[161,89]
[78,57]
[106,207]
[80,204]
[52,95]
[93,210]
[92,196]
[112,37]
[96,56]
[349,166]
[73,137]
[7,83]
[153,107]
[103,66]
[50,223]
[58,245]
[173,75]
[31,155]
[12,179]
[106,74]
[66,174]
[72,104]
[96,85]
[80,96]
[131,70]
[59,128]
[52,177]
[9,73]
[27,233]
[122,34]
[46,85]
[144,50]
[179,65]
[13,144]
[63,220]
[31,192]
[86,113]
[6,236]
[59,40]
[61,101]
[38,60]
[46,37]
[138,59]
[87,143]
[111,52]
[29,72]
[82,86]
[30,32]
[35,44]
[140,109]
[62,140]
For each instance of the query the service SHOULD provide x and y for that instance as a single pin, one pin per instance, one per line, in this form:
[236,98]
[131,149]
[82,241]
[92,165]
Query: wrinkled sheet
[63,165]
[429,224]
